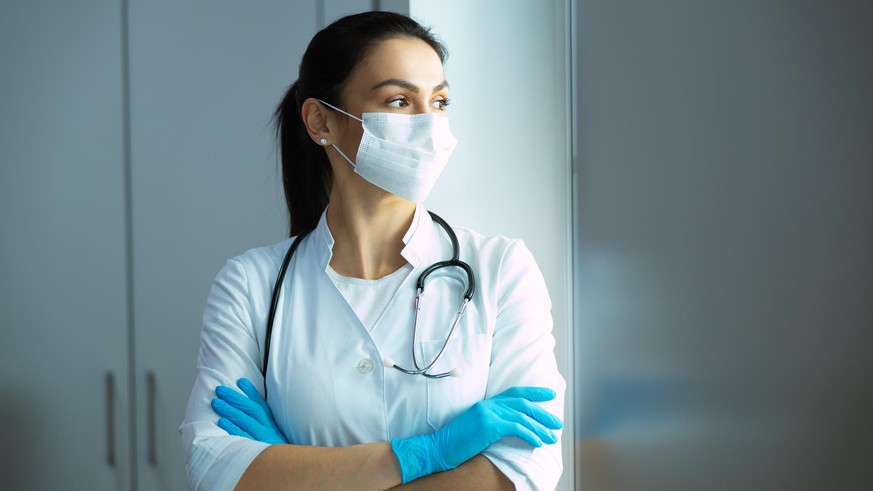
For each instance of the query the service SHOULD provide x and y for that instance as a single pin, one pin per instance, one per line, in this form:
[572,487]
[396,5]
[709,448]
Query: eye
[398,103]
[441,104]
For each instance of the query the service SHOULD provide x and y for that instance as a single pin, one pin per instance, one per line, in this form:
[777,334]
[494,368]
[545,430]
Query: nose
[423,108]
[428,109]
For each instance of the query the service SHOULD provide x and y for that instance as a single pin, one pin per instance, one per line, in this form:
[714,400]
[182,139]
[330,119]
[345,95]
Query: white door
[205,79]
[63,284]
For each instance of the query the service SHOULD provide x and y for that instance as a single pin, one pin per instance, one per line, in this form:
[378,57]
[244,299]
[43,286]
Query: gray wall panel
[723,238]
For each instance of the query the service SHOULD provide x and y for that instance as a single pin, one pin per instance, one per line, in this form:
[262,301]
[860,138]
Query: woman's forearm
[367,466]
[477,473]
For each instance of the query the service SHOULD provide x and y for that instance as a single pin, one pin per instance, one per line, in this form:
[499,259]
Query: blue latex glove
[513,412]
[246,415]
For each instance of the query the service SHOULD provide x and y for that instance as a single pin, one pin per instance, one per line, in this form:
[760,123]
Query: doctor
[364,135]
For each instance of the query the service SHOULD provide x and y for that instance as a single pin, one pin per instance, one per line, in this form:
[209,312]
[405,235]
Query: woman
[363,136]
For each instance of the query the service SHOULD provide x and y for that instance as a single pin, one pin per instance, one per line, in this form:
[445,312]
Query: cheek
[350,137]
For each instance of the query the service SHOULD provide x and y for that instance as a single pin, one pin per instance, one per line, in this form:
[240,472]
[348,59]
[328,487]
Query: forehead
[407,59]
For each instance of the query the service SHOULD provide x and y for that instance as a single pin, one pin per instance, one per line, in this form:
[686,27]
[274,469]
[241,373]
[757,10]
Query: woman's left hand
[246,415]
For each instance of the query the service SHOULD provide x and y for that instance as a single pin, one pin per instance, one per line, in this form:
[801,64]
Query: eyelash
[443,103]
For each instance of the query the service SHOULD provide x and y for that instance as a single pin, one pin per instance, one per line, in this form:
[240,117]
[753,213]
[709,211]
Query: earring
[323,141]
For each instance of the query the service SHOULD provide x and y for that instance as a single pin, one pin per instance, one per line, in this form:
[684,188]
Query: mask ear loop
[354,166]
[340,110]
[344,156]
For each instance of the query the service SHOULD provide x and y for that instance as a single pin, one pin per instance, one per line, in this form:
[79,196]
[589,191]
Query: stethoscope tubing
[420,284]
[274,300]
[423,371]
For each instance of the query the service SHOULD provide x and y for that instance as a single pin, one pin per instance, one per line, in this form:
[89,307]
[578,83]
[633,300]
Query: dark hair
[328,61]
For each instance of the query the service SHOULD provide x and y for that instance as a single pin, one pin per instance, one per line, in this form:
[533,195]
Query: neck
[368,233]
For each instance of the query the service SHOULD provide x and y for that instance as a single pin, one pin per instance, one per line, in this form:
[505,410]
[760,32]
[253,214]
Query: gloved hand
[510,413]
[246,416]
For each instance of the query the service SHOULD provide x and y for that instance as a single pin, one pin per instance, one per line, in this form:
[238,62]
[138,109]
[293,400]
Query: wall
[510,173]
[722,244]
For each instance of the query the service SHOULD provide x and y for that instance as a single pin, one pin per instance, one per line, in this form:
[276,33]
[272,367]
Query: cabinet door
[63,282]
[205,79]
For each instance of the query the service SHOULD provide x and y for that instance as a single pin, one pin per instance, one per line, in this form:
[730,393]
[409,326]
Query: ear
[315,118]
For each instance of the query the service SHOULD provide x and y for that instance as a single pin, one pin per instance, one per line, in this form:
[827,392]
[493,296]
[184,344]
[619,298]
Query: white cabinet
[205,77]
[63,281]
[104,278]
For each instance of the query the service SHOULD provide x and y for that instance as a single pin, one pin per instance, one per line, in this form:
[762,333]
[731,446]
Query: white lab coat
[325,382]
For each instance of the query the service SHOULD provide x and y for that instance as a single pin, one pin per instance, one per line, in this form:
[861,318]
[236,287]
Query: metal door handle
[151,388]
[110,419]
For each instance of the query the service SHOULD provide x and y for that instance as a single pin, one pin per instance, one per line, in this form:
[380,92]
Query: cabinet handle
[110,419]
[151,385]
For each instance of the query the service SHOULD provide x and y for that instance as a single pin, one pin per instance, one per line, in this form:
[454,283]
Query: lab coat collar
[417,238]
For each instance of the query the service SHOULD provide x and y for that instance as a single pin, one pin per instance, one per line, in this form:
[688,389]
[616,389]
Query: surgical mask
[401,153]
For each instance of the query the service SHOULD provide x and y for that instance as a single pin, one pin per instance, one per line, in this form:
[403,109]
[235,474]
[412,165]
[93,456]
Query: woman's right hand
[246,415]
[513,412]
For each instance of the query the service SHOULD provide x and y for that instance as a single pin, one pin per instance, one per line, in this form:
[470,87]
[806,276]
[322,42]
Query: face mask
[401,153]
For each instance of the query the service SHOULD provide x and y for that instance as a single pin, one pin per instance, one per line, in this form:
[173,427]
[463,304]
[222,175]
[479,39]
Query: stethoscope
[420,369]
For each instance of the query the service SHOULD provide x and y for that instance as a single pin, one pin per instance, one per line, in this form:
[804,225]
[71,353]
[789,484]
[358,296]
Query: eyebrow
[408,85]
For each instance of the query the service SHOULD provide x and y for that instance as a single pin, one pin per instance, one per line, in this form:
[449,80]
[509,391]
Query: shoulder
[506,261]
[269,257]
[254,267]
[245,281]
[492,249]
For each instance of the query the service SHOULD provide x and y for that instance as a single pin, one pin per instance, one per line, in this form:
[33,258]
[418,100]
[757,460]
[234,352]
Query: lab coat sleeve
[228,351]
[523,354]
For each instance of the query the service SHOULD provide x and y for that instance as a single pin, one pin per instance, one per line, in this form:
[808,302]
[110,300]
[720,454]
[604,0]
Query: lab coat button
[365,366]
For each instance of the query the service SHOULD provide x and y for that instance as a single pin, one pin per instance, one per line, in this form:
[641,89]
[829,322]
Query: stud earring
[323,141]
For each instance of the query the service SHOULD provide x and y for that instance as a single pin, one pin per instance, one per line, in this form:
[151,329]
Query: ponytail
[306,172]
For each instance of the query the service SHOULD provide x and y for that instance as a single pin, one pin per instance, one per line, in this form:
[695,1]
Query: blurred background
[693,177]
[723,215]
